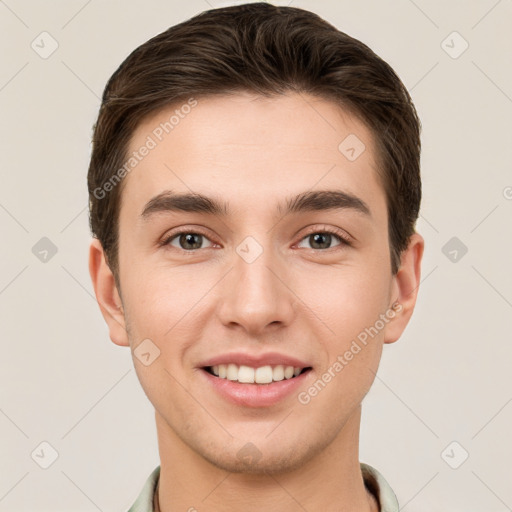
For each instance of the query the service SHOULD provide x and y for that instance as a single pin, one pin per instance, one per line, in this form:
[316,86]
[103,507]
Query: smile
[263,386]
[249,375]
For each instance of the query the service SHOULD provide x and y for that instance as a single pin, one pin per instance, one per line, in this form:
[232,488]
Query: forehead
[245,145]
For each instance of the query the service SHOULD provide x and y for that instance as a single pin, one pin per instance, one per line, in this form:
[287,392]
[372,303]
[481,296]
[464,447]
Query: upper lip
[255,361]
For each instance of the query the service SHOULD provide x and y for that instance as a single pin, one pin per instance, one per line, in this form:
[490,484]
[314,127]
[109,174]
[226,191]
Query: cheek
[160,312]
[353,346]
[346,300]
[151,306]
[166,307]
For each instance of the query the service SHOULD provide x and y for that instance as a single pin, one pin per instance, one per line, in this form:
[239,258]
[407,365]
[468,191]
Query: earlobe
[405,287]
[107,294]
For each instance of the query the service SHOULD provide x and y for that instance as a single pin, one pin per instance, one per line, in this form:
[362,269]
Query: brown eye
[322,240]
[186,240]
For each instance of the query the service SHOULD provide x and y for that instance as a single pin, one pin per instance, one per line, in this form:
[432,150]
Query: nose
[257,293]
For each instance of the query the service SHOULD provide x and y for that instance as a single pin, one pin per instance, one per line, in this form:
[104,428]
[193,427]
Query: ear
[107,294]
[405,288]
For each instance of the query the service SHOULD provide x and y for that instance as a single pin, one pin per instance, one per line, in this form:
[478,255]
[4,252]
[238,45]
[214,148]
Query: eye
[321,239]
[186,240]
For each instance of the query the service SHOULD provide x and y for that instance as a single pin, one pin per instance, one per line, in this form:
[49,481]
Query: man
[254,187]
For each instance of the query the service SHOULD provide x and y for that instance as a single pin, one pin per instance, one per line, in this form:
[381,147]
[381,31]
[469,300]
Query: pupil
[325,236]
[188,238]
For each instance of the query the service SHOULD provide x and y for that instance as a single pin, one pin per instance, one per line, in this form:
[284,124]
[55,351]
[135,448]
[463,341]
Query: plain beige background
[443,391]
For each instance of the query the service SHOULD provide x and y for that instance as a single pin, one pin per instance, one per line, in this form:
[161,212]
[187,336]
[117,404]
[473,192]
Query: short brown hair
[267,50]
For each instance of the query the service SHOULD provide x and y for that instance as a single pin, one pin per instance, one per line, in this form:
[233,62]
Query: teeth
[261,375]
[278,372]
[232,372]
[288,372]
[246,374]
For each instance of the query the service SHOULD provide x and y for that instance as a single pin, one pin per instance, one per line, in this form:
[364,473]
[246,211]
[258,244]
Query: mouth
[262,375]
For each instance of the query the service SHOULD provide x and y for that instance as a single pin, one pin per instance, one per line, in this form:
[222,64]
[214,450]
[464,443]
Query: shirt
[373,480]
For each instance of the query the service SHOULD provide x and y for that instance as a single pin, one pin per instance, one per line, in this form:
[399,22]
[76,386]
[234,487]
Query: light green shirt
[373,480]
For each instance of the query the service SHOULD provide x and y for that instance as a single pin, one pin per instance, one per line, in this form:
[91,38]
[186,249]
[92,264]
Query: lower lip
[255,395]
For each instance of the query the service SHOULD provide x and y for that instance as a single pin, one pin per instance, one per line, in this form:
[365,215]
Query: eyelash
[343,238]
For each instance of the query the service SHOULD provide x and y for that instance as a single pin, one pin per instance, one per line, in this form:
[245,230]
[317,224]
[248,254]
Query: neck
[329,481]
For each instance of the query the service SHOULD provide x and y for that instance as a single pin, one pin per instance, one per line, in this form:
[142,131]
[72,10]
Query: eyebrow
[317,200]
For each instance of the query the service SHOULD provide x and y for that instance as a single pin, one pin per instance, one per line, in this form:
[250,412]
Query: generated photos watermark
[152,140]
[357,345]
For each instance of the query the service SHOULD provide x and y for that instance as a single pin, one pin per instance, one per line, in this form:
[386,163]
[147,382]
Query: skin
[295,298]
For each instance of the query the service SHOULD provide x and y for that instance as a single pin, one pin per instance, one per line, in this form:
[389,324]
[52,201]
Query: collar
[147,500]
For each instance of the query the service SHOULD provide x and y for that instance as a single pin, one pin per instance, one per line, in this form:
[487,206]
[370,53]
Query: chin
[260,456]
[276,463]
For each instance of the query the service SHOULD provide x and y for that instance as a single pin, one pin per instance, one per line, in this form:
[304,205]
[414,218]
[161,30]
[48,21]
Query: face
[284,263]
